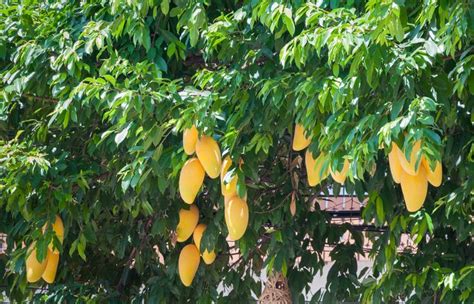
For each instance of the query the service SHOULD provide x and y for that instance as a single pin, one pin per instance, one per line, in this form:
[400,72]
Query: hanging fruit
[434,176]
[209,154]
[49,273]
[34,268]
[300,141]
[207,256]
[229,189]
[409,165]
[314,168]
[340,176]
[190,180]
[188,264]
[190,137]
[236,214]
[58,228]
[414,189]
[394,163]
[188,220]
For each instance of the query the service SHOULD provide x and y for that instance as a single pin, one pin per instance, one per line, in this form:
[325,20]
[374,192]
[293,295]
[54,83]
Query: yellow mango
[207,256]
[49,273]
[340,176]
[434,177]
[414,189]
[314,168]
[409,166]
[300,141]
[190,137]
[229,189]
[190,180]
[58,228]
[188,220]
[236,215]
[394,163]
[34,268]
[209,154]
[188,264]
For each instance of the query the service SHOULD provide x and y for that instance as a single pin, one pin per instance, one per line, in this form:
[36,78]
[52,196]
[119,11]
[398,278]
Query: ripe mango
[190,137]
[314,168]
[409,165]
[414,189]
[209,154]
[188,220]
[34,268]
[190,180]
[236,215]
[207,256]
[300,141]
[394,163]
[58,228]
[229,189]
[49,273]
[340,176]
[188,264]
[436,176]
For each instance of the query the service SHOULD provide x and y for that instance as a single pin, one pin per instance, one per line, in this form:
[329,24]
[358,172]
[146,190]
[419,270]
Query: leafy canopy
[95,95]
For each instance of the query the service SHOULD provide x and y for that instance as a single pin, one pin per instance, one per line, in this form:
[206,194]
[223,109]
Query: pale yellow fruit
[236,216]
[300,141]
[58,228]
[394,163]
[209,154]
[340,176]
[414,189]
[188,264]
[229,189]
[190,137]
[49,273]
[436,176]
[34,268]
[190,180]
[207,256]
[409,166]
[314,168]
[188,220]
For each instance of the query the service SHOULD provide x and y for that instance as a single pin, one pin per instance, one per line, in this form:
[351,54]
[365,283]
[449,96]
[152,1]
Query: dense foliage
[95,95]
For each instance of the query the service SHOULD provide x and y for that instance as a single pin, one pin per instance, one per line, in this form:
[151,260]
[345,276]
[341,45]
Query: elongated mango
[34,268]
[49,273]
[207,256]
[58,228]
[209,154]
[236,216]
[394,163]
[300,141]
[188,264]
[190,180]
[340,176]
[409,165]
[229,189]
[190,137]
[414,189]
[314,168]
[434,176]
[188,220]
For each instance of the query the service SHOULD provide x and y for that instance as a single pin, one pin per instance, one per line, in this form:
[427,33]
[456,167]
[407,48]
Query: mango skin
[409,165]
[414,189]
[314,168]
[190,137]
[236,214]
[34,268]
[191,179]
[188,219]
[229,189]
[434,177]
[209,154]
[188,264]
[394,163]
[340,176]
[49,273]
[300,141]
[208,257]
